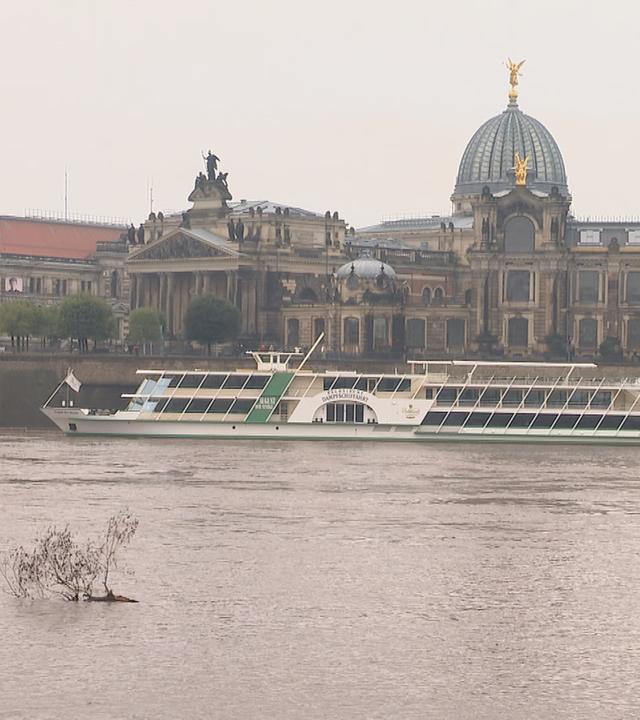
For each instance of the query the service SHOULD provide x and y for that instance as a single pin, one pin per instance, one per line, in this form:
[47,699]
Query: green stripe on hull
[266,403]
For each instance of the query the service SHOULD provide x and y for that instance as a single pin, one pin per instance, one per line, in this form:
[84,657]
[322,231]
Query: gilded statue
[521,165]
[514,74]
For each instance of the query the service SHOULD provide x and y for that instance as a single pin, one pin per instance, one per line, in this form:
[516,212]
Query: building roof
[367,268]
[268,206]
[489,157]
[52,239]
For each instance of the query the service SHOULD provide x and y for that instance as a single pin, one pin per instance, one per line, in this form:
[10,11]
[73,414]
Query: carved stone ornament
[179,247]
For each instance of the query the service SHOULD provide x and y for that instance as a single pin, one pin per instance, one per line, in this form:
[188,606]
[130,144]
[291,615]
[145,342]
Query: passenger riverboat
[433,400]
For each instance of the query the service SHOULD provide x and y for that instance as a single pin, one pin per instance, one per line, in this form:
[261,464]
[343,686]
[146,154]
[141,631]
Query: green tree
[211,320]
[19,319]
[145,326]
[85,317]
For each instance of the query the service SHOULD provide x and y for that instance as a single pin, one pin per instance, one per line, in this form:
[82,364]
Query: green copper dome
[488,159]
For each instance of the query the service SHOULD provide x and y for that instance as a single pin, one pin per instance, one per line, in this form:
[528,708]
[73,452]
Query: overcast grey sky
[360,107]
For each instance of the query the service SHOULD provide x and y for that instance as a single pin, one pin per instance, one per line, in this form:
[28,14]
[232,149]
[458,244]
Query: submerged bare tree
[60,565]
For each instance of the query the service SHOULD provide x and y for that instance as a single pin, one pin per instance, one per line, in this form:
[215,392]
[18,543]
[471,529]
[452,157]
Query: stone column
[133,296]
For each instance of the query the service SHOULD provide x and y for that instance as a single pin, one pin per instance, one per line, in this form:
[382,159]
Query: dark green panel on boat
[266,403]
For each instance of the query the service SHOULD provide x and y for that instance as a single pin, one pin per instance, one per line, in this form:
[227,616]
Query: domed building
[521,277]
[488,159]
[509,273]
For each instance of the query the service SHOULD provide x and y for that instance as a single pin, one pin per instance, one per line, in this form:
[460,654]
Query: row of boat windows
[215,381]
[533,421]
[393,383]
[198,406]
[516,396]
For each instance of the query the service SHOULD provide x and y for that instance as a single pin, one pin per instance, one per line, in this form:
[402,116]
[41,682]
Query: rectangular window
[491,397]
[327,383]
[349,412]
[344,383]
[518,286]
[557,398]
[478,419]
[380,341]
[191,381]
[500,420]
[633,334]
[429,393]
[611,422]
[522,420]
[544,421]
[198,406]
[512,397]
[588,333]
[214,382]
[456,419]
[236,382]
[220,406]
[579,398]
[242,406]
[339,412]
[455,334]
[447,395]
[434,418]
[415,334]
[601,399]
[633,288]
[256,382]
[588,422]
[359,413]
[388,384]
[588,286]
[331,412]
[566,422]
[177,405]
[469,396]
[535,398]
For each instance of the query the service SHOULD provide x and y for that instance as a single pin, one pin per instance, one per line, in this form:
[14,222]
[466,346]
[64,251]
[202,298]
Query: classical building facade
[510,272]
[45,260]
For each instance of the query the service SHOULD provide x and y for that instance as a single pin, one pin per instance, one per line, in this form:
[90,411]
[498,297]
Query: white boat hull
[76,423]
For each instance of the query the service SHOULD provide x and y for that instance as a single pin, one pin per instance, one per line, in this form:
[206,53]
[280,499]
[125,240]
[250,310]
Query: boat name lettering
[345,394]
[268,402]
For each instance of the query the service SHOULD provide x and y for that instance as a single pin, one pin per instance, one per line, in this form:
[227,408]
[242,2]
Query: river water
[331,580]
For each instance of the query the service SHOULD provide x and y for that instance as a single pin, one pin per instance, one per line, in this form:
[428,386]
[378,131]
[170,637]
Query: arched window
[438,296]
[518,332]
[426,296]
[415,334]
[588,333]
[351,331]
[519,235]
[293,332]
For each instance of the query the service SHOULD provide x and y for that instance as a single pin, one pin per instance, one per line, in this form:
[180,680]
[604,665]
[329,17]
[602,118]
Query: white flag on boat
[73,382]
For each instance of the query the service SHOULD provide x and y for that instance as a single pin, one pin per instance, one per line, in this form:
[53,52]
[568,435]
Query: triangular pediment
[185,244]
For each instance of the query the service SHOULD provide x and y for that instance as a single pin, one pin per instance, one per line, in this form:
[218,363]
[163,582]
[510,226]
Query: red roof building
[51,239]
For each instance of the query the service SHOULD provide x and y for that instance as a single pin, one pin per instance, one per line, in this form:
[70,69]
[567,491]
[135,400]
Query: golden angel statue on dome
[514,74]
[521,165]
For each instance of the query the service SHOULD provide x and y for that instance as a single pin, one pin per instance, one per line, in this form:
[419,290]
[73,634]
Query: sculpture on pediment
[232,230]
[240,230]
[222,179]
[140,234]
[179,247]
[186,221]
[131,235]
[211,162]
